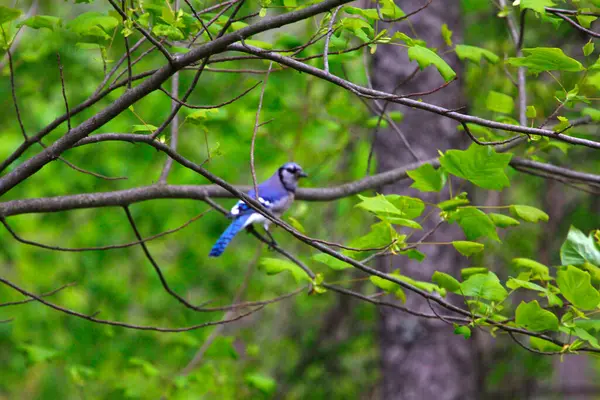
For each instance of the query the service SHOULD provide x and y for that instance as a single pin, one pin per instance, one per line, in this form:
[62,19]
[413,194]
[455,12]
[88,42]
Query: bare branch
[255,131]
[64,93]
[122,324]
[195,107]
[328,38]
[146,34]
[99,248]
[382,19]
[18,303]
[127,52]
[126,56]
[371,93]
[125,197]
[14,93]
[573,23]
[36,162]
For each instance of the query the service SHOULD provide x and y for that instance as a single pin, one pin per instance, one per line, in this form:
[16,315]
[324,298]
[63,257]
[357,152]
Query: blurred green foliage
[283,348]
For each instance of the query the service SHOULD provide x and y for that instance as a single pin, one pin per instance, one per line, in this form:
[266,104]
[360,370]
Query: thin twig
[256,121]
[92,318]
[64,93]
[148,35]
[129,74]
[410,14]
[99,248]
[14,93]
[576,25]
[328,38]
[17,303]
[195,107]
[114,69]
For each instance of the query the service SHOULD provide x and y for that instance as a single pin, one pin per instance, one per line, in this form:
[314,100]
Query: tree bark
[423,359]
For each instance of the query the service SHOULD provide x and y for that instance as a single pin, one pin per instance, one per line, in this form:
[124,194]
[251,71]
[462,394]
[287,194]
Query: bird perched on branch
[276,194]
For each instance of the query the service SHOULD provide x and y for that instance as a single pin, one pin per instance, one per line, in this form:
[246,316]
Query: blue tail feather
[228,235]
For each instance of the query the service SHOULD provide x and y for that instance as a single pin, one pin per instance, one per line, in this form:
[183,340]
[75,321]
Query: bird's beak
[302,174]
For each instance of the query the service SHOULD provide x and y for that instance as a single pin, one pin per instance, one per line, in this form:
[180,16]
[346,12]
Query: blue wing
[241,208]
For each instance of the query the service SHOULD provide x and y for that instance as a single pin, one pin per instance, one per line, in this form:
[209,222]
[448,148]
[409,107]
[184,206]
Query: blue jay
[276,194]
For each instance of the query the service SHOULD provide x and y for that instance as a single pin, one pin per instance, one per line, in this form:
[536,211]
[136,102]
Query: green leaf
[465,273]
[538,269]
[396,115]
[530,112]
[562,125]
[585,335]
[514,283]
[394,209]
[446,281]
[592,112]
[454,203]
[474,223]
[447,35]
[410,207]
[331,262]
[575,286]
[378,204]
[579,249]
[528,213]
[381,234]
[586,20]
[425,57]
[543,345]
[390,10]
[273,266]
[463,330]
[503,221]
[537,5]
[588,48]
[540,59]
[467,248]
[200,115]
[480,165]
[93,26]
[264,383]
[296,224]
[427,179]
[42,21]
[484,286]
[499,102]
[374,121]
[388,287]
[143,128]
[413,254]
[9,14]
[427,286]
[369,13]
[535,318]
[169,31]
[475,54]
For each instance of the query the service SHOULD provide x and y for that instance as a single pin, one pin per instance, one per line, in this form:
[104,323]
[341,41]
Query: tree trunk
[422,358]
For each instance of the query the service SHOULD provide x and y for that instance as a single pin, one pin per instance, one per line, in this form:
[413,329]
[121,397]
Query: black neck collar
[286,187]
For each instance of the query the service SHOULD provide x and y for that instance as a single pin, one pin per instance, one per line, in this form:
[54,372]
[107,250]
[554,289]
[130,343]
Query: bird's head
[289,174]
